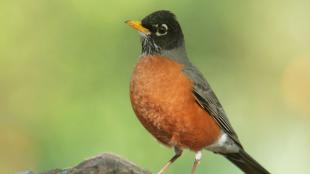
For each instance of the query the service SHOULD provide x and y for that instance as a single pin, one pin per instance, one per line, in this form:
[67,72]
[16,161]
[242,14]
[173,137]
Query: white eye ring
[162,30]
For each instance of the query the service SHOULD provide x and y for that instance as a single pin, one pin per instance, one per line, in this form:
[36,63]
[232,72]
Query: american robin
[174,102]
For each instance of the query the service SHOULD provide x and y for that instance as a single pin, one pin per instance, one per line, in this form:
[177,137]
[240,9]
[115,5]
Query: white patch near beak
[142,34]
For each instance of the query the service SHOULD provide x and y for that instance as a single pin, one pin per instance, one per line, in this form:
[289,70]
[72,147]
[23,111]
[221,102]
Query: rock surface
[106,163]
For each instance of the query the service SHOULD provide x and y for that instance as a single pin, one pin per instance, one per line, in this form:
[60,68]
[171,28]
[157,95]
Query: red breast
[161,96]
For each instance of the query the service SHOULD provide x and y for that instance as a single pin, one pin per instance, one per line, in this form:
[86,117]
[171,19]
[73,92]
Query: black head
[165,29]
[160,31]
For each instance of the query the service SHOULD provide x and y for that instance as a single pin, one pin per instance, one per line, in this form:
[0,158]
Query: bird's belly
[162,99]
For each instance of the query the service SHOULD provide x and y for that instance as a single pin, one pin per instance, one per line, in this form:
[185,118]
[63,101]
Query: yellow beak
[138,26]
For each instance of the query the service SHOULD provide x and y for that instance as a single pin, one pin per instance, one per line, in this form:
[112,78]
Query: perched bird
[174,102]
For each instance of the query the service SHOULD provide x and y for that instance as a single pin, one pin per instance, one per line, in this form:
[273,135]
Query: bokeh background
[65,69]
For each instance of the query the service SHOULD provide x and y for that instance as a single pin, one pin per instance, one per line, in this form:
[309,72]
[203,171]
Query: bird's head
[160,31]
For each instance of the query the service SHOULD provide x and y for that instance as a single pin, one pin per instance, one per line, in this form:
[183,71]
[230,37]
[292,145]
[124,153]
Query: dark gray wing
[206,98]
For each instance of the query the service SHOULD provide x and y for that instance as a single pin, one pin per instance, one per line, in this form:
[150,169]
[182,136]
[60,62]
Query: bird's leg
[196,162]
[178,153]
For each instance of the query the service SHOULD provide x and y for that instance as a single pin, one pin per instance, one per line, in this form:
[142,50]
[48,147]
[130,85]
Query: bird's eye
[162,30]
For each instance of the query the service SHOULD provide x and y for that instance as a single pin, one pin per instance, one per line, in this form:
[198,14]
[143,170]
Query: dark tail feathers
[246,163]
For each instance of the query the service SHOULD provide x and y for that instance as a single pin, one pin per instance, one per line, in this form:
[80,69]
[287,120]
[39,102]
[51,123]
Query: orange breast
[161,96]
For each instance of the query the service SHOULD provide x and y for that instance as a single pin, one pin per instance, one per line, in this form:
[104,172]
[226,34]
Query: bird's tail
[246,163]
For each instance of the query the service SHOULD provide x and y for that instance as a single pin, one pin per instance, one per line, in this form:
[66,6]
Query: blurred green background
[65,69]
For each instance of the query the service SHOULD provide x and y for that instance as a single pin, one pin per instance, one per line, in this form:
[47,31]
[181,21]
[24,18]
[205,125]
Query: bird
[173,100]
